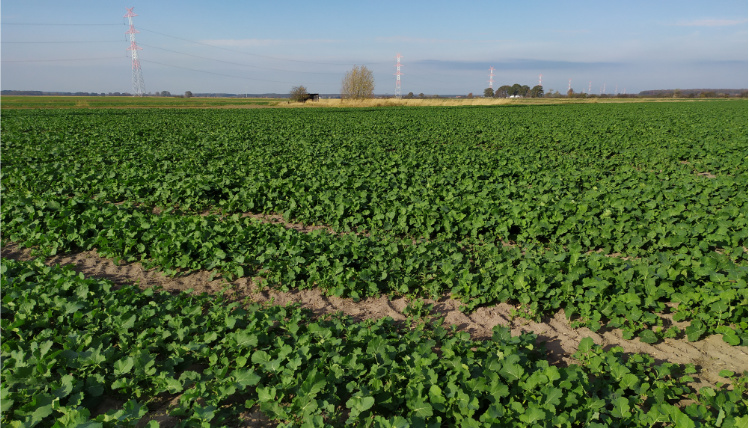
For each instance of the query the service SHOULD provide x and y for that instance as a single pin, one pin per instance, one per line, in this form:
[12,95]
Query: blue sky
[447,46]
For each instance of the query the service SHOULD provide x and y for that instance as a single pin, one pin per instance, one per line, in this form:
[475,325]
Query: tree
[503,91]
[166,94]
[488,93]
[571,93]
[188,94]
[515,90]
[537,91]
[470,95]
[298,93]
[409,96]
[358,83]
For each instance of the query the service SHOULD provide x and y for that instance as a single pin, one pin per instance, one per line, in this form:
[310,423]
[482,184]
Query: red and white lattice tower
[539,79]
[398,75]
[590,83]
[491,77]
[139,87]
[569,85]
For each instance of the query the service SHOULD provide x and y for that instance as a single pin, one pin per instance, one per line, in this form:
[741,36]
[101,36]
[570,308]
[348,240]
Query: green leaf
[725,373]
[121,383]
[314,383]
[245,339]
[123,366]
[260,357]
[621,408]
[552,398]
[695,331]
[629,380]
[266,394]
[360,404]
[586,344]
[42,405]
[127,324]
[435,395]
[513,372]
[648,336]
[45,347]
[420,408]
[680,419]
[66,386]
[731,338]
[76,417]
[532,414]
[174,386]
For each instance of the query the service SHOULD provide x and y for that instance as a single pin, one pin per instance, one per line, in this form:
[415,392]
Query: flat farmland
[626,223]
[86,102]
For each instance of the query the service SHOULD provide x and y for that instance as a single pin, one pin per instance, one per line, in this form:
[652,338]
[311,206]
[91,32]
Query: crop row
[594,289]
[71,343]
[615,178]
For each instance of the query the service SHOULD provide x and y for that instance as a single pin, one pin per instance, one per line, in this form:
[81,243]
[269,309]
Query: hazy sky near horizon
[447,46]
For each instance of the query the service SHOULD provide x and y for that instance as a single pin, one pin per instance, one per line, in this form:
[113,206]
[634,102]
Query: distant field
[129,102]
[21,102]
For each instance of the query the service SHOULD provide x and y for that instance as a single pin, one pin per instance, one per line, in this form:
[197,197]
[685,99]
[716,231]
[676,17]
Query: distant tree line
[694,93]
[421,95]
[71,94]
[188,94]
[516,90]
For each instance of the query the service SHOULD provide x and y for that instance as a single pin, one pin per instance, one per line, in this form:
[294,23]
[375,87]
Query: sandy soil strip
[710,355]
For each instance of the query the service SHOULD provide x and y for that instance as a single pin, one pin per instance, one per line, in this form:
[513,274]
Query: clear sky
[447,46]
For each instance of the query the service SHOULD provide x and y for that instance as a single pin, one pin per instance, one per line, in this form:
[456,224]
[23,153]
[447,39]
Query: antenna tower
[539,79]
[398,75]
[491,77]
[590,83]
[569,85]
[139,87]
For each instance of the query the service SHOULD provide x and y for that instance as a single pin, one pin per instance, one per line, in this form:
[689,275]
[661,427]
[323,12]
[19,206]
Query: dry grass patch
[456,102]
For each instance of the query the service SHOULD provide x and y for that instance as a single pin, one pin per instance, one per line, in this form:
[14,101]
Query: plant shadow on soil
[710,354]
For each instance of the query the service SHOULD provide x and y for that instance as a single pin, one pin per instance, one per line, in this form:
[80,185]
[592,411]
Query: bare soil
[710,355]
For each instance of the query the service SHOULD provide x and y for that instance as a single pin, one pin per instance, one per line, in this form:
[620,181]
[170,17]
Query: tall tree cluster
[517,90]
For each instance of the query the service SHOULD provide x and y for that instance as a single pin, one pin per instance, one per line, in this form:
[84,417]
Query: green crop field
[615,213]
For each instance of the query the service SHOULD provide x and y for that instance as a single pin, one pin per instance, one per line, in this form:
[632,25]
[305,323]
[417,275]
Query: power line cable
[62,59]
[68,41]
[212,72]
[47,24]
[250,54]
[232,62]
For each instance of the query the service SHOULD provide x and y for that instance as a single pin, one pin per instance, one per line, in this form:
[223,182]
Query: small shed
[313,97]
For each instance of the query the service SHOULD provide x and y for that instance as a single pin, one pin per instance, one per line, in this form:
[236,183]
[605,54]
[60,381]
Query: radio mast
[398,75]
[139,87]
